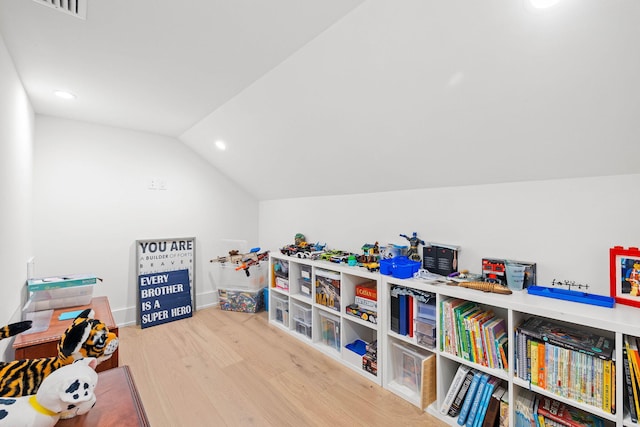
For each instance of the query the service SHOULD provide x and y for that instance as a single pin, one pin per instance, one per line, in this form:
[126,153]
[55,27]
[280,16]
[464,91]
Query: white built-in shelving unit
[515,308]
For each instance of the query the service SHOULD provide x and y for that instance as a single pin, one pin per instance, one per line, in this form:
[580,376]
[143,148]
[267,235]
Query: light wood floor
[222,368]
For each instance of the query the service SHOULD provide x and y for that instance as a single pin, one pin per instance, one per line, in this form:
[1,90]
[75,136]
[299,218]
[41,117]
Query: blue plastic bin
[399,267]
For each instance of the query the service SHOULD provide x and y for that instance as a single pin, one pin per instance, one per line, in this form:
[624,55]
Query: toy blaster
[253,260]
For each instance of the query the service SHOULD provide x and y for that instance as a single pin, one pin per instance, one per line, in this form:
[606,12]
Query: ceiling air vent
[77,8]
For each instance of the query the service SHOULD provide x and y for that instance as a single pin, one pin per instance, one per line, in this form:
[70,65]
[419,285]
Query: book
[566,415]
[395,313]
[454,388]
[502,347]
[495,329]
[503,417]
[462,314]
[606,387]
[489,388]
[568,337]
[628,399]
[633,398]
[480,349]
[468,400]
[475,406]
[493,408]
[456,405]
[541,366]
[533,351]
[404,313]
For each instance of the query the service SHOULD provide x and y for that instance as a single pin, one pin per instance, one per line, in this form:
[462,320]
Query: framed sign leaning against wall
[165,280]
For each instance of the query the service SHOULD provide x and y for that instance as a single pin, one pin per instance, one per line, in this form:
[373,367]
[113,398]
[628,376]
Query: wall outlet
[157,184]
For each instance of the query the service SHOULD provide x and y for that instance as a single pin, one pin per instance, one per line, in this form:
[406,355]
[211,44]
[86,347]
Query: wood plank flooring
[221,368]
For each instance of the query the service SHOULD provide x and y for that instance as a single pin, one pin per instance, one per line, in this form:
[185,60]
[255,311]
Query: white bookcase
[293,307]
[392,347]
[515,308]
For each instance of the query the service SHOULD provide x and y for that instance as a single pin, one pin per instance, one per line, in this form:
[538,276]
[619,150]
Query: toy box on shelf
[239,291]
[301,314]
[281,274]
[426,324]
[305,280]
[330,325]
[328,289]
[414,374]
[280,309]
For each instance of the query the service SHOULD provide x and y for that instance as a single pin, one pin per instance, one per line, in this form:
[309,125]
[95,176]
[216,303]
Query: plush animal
[85,337]
[14,329]
[65,393]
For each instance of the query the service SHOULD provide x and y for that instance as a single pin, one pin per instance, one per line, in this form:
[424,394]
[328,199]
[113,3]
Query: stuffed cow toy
[65,393]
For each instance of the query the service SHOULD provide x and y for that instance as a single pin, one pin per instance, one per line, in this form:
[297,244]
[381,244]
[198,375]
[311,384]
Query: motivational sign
[166,269]
[164,297]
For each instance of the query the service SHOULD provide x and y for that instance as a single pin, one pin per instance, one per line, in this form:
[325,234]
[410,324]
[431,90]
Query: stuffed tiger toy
[85,337]
[14,329]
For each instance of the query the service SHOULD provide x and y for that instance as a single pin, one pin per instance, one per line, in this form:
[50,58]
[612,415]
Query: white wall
[565,226]
[16,163]
[92,202]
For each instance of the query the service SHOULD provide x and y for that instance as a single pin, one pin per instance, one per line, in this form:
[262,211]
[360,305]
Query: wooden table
[117,403]
[44,344]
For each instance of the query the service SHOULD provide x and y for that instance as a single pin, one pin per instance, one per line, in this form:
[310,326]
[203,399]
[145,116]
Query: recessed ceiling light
[543,4]
[64,94]
[220,145]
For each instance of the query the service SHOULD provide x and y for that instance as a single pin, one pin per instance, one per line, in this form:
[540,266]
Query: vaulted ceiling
[349,96]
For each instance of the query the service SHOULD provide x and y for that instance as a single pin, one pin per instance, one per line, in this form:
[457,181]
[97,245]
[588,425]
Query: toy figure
[414,241]
[299,239]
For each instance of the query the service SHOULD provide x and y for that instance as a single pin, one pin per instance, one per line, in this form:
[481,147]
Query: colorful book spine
[454,388]
[456,405]
[542,365]
[476,400]
[492,383]
[533,351]
[404,312]
[629,393]
[468,400]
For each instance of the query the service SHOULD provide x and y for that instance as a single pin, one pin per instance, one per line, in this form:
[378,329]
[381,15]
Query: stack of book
[566,361]
[473,333]
[532,409]
[474,397]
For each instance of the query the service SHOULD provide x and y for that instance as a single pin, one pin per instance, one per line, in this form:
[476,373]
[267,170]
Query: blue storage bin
[399,267]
